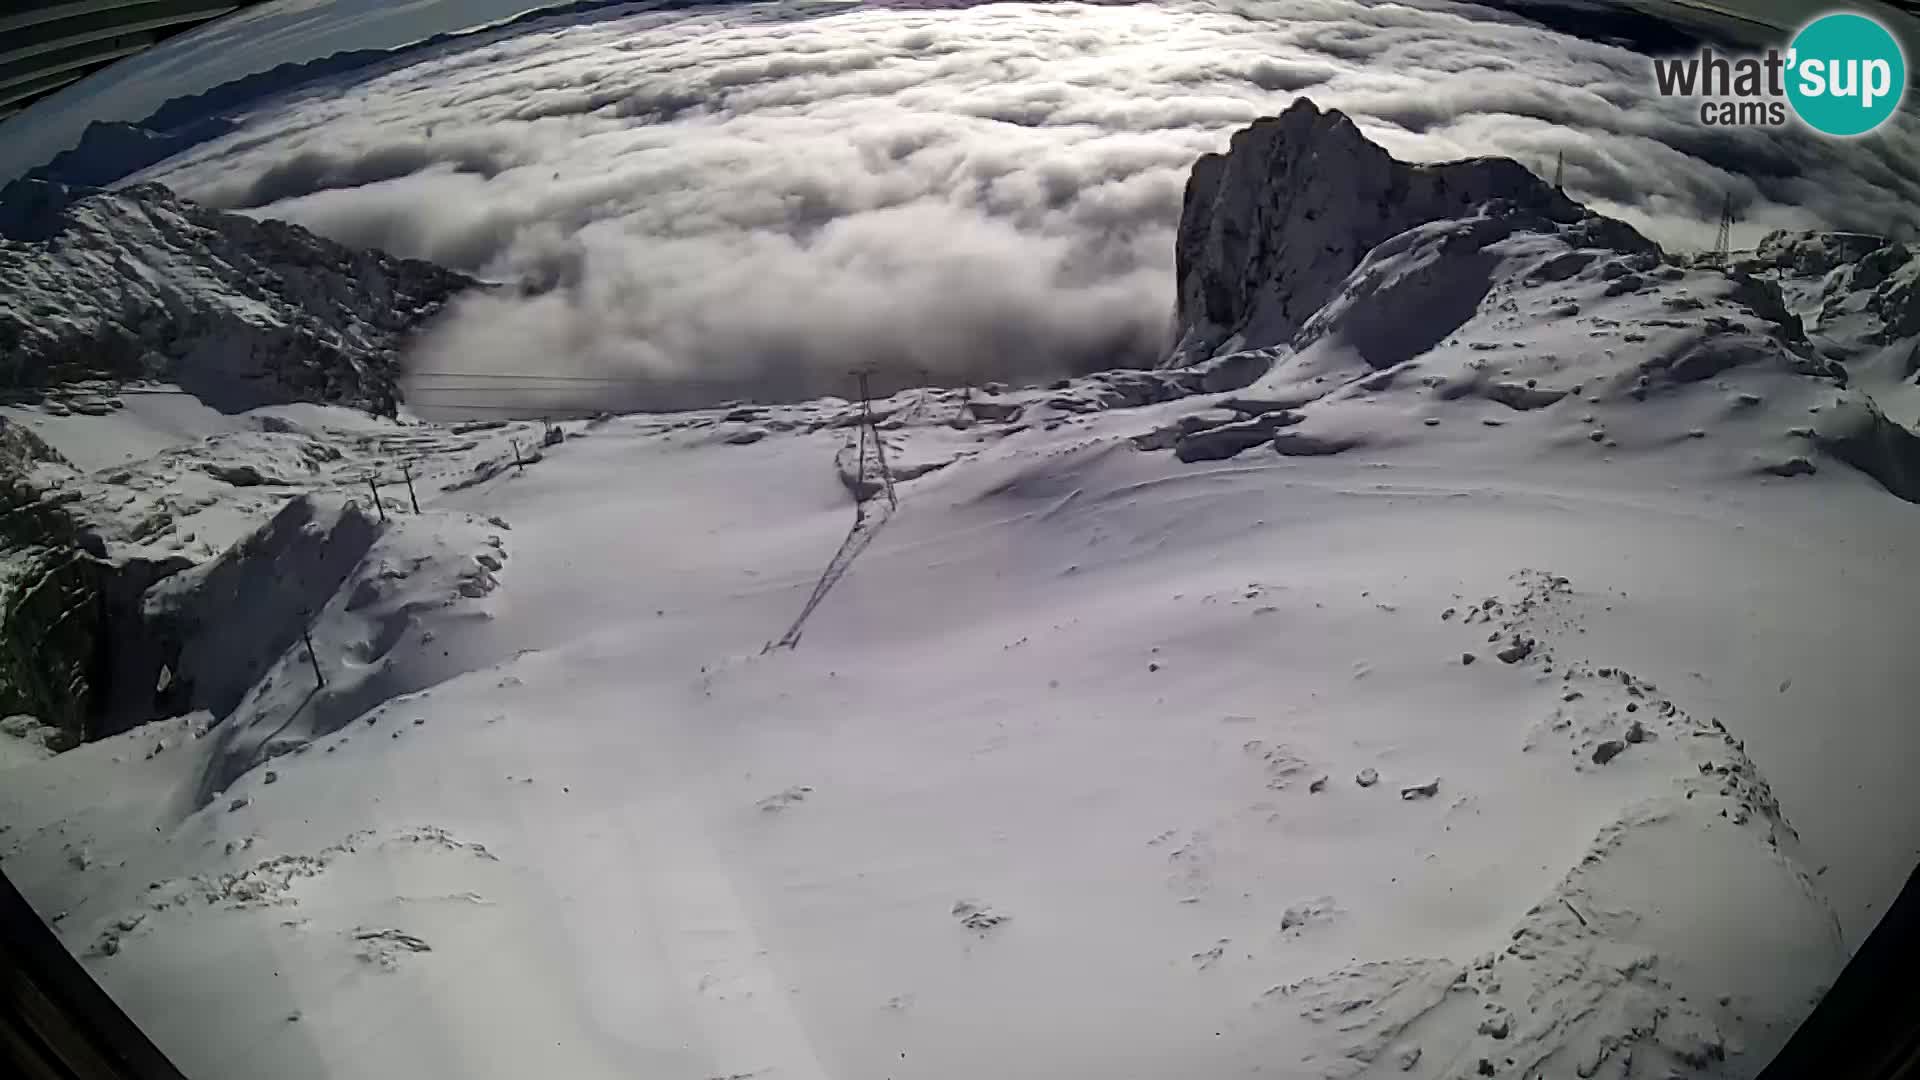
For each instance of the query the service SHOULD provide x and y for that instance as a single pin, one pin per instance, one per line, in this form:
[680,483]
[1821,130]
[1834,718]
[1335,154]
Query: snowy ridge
[112,151]
[109,151]
[1417,685]
[1527,302]
[1264,240]
[136,284]
[270,515]
[172,320]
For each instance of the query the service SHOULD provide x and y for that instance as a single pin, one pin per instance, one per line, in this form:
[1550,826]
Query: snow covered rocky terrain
[1481,651]
[136,284]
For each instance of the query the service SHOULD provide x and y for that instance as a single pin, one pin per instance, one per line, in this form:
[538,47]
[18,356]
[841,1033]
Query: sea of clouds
[748,202]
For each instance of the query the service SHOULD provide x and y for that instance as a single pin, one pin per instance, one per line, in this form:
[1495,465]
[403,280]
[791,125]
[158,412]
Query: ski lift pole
[879,444]
[860,472]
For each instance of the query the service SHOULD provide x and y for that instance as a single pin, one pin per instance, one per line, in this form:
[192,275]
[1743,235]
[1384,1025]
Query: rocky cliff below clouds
[1270,229]
[1353,280]
[137,283]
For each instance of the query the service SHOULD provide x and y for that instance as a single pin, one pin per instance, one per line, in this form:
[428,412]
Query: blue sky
[287,31]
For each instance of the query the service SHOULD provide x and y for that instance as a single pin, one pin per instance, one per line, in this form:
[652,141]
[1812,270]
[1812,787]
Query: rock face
[61,601]
[44,571]
[1226,440]
[1348,278]
[215,628]
[1810,253]
[1858,433]
[1269,230]
[1896,300]
[241,313]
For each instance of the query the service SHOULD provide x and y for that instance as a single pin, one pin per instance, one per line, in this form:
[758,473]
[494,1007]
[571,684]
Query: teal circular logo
[1845,74]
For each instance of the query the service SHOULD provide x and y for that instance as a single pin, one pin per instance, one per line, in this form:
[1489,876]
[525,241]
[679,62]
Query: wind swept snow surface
[1522,695]
[1061,780]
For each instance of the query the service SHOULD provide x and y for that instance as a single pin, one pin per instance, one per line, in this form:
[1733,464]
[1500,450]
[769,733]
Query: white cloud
[749,202]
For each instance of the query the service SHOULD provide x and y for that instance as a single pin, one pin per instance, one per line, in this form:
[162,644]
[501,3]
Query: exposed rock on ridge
[1310,253]
[1269,230]
[137,283]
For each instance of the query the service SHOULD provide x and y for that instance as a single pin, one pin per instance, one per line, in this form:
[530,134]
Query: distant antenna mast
[1560,173]
[1723,240]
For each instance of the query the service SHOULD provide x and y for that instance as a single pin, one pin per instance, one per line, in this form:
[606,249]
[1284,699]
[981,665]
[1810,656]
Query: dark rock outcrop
[1863,437]
[1809,253]
[1896,299]
[61,599]
[1270,229]
[215,629]
[1227,440]
[241,313]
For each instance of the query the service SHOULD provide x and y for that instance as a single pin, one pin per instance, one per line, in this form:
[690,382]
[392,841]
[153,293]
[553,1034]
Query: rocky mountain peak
[1269,229]
[137,283]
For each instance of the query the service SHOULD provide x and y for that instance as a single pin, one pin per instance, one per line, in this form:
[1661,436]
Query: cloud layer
[750,202]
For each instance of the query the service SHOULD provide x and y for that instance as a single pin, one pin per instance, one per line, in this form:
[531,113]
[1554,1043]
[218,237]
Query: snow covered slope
[131,325]
[1558,323]
[1082,733]
[241,313]
[1499,670]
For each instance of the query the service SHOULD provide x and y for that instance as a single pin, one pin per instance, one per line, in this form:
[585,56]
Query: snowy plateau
[1483,649]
